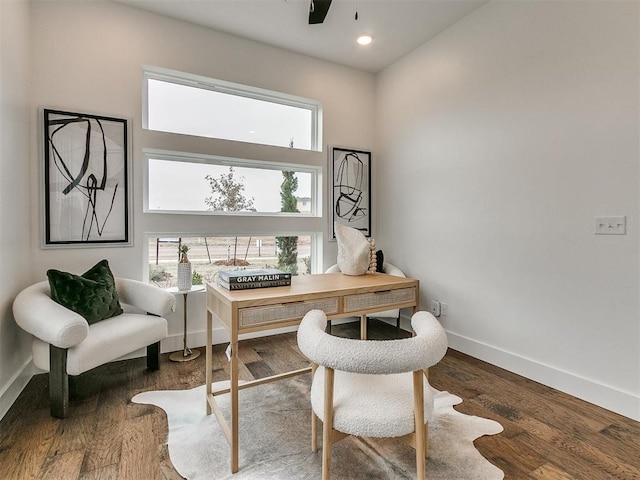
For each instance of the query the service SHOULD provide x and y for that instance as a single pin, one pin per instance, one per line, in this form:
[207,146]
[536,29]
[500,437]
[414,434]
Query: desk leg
[209,359]
[234,403]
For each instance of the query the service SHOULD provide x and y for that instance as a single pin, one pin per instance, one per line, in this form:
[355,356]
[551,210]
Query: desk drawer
[365,301]
[285,311]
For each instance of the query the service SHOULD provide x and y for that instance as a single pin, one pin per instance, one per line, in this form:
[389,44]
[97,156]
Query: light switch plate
[610,225]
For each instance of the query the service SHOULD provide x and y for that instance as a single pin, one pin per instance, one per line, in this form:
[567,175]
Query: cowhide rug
[275,435]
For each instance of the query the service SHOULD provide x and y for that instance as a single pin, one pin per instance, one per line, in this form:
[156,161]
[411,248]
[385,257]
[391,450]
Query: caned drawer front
[285,311]
[364,301]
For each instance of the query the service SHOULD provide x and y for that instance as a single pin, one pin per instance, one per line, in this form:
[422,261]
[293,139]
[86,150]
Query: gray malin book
[248,285]
[255,275]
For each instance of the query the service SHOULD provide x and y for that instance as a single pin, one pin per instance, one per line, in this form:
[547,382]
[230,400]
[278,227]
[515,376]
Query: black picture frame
[350,189]
[86,180]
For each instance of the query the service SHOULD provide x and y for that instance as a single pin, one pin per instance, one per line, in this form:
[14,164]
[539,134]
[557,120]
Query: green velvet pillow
[92,295]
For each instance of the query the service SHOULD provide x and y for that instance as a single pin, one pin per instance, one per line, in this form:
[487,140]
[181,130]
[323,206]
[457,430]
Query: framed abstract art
[86,180]
[350,173]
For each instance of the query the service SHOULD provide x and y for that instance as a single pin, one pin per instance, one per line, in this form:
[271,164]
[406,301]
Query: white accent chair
[65,344]
[394,314]
[370,388]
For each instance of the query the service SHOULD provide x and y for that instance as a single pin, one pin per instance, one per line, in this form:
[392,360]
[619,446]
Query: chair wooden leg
[426,439]
[153,356]
[58,382]
[153,350]
[418,413]
[314,432]
[327,424]
[314,417]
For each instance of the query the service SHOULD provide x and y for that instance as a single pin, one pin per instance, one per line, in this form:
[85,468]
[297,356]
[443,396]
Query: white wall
[88,57]
[15,208]
[499,141]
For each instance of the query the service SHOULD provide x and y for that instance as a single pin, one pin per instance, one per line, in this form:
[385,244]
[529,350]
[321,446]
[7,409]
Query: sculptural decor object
[354,250]
[184,269]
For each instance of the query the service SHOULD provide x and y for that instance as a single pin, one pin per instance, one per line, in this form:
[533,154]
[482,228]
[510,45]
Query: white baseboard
[624,403]
[14,387]
[605,396]
[174,343]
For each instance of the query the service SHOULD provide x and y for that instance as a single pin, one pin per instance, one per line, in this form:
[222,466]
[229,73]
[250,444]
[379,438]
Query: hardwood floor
[547,434]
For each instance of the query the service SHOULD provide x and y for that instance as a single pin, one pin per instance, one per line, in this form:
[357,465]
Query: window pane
[212,254]
[178,108]
[182,185]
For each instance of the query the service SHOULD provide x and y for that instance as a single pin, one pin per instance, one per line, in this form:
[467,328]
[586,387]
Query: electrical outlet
[435,308]
[444,309]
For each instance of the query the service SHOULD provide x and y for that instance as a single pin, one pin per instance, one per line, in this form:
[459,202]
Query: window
[209,255]
[197,186]
[189,104]
[189,183]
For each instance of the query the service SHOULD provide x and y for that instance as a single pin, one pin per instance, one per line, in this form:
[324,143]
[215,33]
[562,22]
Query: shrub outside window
[209,255]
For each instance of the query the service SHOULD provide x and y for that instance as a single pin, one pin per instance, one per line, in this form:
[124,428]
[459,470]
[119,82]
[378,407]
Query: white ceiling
[398,26]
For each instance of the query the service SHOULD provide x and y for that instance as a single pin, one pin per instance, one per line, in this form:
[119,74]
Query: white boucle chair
[371,388]
[389,269]
[65,344]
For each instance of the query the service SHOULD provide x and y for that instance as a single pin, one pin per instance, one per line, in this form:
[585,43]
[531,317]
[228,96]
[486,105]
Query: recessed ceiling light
[365,39]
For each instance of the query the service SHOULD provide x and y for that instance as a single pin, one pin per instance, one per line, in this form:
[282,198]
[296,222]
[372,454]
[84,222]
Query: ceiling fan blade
[318,10]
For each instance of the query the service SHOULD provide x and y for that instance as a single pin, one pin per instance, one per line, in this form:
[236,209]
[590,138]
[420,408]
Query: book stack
[253,278]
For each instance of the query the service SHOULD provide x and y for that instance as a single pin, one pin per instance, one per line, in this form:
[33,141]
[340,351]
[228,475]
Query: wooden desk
[246,311]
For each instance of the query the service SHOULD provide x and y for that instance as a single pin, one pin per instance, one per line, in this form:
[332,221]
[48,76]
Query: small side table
[186,354]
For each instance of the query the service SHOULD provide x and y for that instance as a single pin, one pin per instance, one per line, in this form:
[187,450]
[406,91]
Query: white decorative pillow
[354,250]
